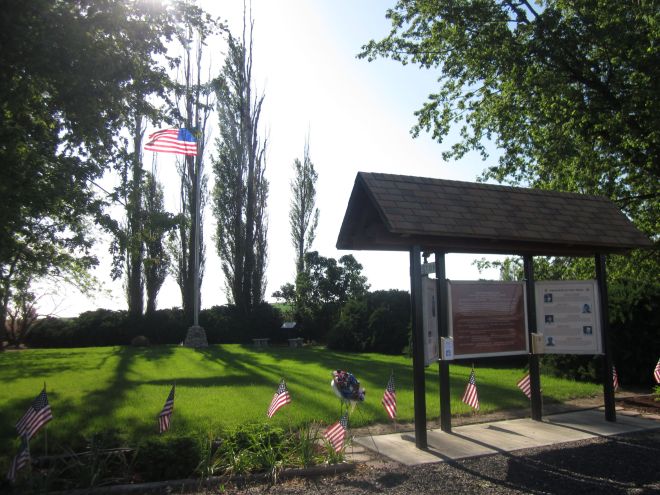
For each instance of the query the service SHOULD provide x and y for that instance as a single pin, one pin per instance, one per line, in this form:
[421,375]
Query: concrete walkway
[503,436]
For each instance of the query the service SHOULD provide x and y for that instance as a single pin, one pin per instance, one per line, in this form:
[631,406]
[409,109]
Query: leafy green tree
[567,89]
[303,216]
[321,289]
[241,188]
[65,72]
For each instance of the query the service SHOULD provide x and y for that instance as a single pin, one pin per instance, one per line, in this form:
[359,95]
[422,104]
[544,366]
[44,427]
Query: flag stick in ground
[470,397]
[280,399]
[37,415]
[656,372]
[336,434]
[21,459]
[389,399]
[525,385]
[165,415]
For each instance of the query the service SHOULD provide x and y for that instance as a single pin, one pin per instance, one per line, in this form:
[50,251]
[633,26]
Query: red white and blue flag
[280,399]
[615,379]
[656,372]
[165,416]
[389,398]
[525,385]
[37,415]
[336,433]
[178,141]
[21,460]
[470,397]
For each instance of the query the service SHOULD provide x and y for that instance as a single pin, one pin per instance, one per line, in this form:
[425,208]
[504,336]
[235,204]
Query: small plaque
[447,347]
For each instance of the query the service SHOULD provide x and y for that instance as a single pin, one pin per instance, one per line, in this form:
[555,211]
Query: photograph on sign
[430,308]
[488,319]
[568,316]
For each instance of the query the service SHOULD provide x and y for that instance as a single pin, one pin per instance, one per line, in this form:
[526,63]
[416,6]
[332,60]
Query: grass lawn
[93,389]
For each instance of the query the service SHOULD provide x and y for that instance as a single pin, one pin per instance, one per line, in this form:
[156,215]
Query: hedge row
[103,327]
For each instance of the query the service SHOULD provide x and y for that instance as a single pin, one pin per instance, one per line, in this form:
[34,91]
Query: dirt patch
[644,403]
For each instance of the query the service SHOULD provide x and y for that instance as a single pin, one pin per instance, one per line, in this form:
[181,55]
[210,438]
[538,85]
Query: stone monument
[195,337]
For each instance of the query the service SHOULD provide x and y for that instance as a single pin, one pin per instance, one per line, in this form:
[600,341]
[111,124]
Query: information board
[488,319]
[568,316]
[430,308]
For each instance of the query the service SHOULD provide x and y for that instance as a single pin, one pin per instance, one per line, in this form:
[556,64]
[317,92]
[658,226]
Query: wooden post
[534,372]
[608,386]
[419,386]
[442,291]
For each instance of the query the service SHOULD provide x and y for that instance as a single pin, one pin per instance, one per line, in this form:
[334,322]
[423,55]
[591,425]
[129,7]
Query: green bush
[102,327]
[167,458]
[379,322]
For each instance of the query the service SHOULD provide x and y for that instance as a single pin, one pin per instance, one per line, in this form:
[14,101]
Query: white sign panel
[430,308]
[568,316]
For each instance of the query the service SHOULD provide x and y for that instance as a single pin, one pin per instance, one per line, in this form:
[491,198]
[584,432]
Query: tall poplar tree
[193,93]
[241,189]
[303,216]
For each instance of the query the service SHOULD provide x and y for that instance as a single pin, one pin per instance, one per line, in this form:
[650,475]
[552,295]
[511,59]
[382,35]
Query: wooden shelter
[418,214]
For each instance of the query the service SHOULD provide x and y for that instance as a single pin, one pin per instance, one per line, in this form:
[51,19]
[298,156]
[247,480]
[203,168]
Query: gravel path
[627,464]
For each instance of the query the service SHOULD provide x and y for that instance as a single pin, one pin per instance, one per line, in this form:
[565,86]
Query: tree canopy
[66,75]
[567,89]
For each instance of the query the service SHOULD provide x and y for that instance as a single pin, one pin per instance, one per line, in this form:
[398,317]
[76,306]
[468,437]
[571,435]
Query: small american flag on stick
[177,141]
[656,372]
[615,379]
[165,415]
[37,415]
[525,385]
[21,460]
[280,399]
[389,398]
[470,397]
[336,433]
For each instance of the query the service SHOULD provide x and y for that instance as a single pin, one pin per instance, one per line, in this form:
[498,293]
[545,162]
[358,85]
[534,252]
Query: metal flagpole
[197,229]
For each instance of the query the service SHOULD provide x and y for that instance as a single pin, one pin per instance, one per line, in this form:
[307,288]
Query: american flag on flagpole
[389,398]
[280,399]
[656,372]
[615,379]
[336,433]
[177,141]
[470,397]
[37,415]
[21,460]
[525,385]
[165,416]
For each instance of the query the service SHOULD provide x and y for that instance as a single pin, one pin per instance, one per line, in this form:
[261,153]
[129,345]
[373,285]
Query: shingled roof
[396,212]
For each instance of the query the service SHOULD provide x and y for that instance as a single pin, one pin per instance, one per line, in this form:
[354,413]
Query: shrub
[140,341]
[51,332]
[351,331]
[165,326]
[379,322]
[167,458]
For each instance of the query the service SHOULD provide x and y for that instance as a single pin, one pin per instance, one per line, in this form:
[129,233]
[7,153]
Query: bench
[260,342]
[296,342]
